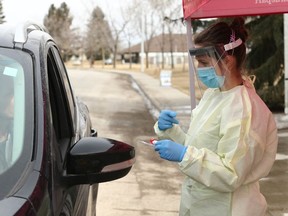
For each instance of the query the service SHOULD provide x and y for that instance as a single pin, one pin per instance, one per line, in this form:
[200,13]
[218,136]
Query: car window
[15,118]
[61,102]
[66,83]
[11,91]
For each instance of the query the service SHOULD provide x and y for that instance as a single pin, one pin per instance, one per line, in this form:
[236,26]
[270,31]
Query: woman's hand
[170,150]
[167,119]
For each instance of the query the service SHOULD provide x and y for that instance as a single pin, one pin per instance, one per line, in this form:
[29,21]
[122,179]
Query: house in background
[164,48]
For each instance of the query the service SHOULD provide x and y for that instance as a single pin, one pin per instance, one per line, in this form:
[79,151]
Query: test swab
[151,143]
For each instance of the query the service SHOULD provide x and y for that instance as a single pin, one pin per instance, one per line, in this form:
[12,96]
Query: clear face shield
[210,66]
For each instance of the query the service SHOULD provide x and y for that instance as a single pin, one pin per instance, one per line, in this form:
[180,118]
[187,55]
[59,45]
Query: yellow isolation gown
[232,143]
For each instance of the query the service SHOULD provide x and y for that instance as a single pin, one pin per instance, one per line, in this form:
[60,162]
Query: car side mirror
[94,160]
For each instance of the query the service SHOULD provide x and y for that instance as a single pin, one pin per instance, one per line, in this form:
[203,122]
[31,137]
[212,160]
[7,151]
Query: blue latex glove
[167,119]
[170,150]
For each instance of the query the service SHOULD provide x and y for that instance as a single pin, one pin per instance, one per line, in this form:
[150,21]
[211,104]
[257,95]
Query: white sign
[165,77]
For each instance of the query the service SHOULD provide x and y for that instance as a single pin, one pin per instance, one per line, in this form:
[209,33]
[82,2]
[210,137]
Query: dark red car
[50,157]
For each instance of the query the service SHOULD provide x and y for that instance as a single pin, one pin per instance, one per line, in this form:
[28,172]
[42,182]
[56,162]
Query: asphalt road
[152,187]
[118,111]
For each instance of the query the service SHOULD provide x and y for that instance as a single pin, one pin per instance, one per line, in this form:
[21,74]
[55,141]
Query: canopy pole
[286,61]
[190,45]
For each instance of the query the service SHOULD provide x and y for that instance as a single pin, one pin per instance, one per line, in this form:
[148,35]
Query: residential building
[161,48]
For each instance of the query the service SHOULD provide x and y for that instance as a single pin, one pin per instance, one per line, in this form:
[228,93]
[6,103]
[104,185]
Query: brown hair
[219,34]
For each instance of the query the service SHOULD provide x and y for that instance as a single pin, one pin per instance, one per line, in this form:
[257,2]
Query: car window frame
[66,82]
[61,100]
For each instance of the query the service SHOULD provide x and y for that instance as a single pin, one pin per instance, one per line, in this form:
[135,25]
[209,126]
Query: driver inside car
[6,120]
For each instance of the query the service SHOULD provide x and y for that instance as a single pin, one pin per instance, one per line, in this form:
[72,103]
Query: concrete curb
[153,108]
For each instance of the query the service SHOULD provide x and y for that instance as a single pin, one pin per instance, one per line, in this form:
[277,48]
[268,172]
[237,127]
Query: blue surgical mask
[208,77]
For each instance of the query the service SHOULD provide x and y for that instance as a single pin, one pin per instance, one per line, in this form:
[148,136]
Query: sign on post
[165,77]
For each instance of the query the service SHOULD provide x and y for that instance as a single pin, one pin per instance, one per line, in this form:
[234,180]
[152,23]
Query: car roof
[16,35]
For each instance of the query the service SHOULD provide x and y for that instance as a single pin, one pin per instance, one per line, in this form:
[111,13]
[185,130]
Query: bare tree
[150,32]
[153,12]
[169,16]
[163,8]
[129,32]
[117,30]
[121,29]
[145,23]
[172,24]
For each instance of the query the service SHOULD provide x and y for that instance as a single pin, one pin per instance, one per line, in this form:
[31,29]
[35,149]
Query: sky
[17,11]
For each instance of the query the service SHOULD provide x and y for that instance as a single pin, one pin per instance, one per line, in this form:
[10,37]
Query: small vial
[153,141]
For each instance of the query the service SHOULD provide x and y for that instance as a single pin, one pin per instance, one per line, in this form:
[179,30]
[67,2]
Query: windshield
[15,95]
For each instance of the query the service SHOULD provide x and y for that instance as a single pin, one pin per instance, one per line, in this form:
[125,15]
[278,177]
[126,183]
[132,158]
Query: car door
[64,121]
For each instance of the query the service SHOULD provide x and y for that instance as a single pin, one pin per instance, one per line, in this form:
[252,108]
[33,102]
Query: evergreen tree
[98,37]
[266,58]
[58,22]
[2,17]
